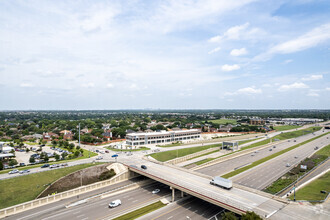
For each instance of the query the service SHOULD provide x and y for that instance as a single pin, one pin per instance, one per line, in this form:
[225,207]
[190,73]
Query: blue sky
[244,54]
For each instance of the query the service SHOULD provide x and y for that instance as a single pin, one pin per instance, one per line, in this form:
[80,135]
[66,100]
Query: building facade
[162,137]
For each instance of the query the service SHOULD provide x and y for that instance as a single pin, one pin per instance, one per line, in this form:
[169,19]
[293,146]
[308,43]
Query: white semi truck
[222,182]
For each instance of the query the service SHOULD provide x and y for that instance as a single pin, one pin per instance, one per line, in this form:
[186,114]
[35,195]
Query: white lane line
[170,217]
[79,216]
[135,201]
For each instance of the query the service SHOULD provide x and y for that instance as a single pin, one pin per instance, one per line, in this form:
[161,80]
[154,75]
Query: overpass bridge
[236,200]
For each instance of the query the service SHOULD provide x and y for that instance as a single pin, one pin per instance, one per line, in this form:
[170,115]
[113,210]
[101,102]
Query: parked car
[13,171]
[22,164]
[45,165]
[155,191]
[144,167]
[114,203]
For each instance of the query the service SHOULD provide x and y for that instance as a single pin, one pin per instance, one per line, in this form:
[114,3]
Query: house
[105,126]
[225,128]
[107,134]
[86,130]
[50,135]
[37,136]
[27,137]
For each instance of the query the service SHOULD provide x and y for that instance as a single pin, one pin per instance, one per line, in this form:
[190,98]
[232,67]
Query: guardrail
[70,193]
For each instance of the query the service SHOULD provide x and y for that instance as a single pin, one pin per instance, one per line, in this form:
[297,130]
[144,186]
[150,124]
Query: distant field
[286,127]
[224,121]
[21,189]
[312,190]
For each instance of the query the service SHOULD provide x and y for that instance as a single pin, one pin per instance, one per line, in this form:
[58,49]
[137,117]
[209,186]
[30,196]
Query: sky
[164,54]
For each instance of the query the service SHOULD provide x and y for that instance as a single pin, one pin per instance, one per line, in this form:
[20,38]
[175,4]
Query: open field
[256,163]
[169,155]
[224,121]
[142,211]
[25,188]
[312,190]
[286,127]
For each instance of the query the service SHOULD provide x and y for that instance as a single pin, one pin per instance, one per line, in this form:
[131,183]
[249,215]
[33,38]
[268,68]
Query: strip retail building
[161,137]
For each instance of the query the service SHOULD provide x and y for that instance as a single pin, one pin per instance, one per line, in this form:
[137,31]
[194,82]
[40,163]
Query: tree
[71,146]
[32,160]
[27,150]
[228,216]
[57,157]
[46,158]
[64,154]
[12,162]
[1,166]
[76,153]
[251,216]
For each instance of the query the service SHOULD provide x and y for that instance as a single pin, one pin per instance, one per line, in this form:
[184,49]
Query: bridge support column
[182,194]
[173,194]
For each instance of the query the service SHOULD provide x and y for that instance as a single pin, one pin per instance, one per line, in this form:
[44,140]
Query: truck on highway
[222,182]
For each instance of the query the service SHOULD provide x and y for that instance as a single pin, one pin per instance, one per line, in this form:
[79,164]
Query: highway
[98,208]
[191,208]
[263,175]
[244,160]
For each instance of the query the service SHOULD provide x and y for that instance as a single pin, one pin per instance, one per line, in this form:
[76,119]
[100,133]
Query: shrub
[107,175]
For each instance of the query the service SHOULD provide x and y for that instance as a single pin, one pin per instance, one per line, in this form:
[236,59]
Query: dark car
[144,167]
[45,165]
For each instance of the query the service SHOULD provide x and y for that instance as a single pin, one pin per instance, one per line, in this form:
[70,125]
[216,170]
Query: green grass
[205,154]
[142,211]
[312,190]
[224,121]
[21,189]
[256,163]
[247,141]
[138,149]
[286,127]
[204,161]
[171,145]
[169,155]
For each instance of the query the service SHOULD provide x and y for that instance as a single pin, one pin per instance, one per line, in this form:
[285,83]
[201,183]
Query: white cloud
[249,90]
[266,85]
[327,89]
[238,52]
[296,85]
[110,85]
[313,77]
[214,50]
[287,61]
[313,93]
[88,85]
[26,85]
[215,39]
[234,33]
[227,67]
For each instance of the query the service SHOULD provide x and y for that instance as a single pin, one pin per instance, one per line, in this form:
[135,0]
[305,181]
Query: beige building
[161,137]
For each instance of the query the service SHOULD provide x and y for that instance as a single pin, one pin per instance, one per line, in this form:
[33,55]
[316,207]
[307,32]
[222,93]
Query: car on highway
[295,157]
[114,203]
[64,164]
[13,171]
[155,191]
[54,166]
[288,165]
[45,165]
[24,171]
[274,146]
[144,167]
[315,148]
[106,151]
[270,149]
[252,155]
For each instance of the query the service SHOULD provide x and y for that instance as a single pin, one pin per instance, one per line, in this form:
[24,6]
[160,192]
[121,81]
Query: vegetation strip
[296,172]
[21,189]
[256,163]
[142,211]
[312,191]
[168,155]
[283,136]
[286,127]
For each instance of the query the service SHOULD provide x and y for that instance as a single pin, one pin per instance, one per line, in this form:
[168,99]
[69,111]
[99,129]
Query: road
[263,175]
[96,209]
[191,208]
[244,160]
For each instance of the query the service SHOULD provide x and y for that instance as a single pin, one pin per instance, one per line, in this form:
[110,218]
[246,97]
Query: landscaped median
[128,150]
[256,163]
[25,188]
[142,211]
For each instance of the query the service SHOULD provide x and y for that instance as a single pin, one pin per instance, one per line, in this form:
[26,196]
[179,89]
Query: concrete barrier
[70,193]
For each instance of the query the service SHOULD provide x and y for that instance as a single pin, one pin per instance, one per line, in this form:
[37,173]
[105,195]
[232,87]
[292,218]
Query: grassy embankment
[256,163]
[312,190]
[21,189]
[169,155]
[286,127]
[283,136]
[142,211]
[296,172]
[171,145]
[224,121]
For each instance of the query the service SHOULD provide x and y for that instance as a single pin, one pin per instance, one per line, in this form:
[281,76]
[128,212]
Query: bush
[32,160]
[251,216]
[228,216]
[107,175]
[1,166]
[12,162]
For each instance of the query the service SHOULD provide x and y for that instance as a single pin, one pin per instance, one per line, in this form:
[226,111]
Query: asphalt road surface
[244,160]
[97,209]
[263,175]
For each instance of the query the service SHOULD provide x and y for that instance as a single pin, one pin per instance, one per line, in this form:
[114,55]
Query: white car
[155,191]
[114,203]
[13,171]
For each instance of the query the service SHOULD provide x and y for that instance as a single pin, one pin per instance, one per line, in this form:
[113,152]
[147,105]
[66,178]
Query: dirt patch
[76,179]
